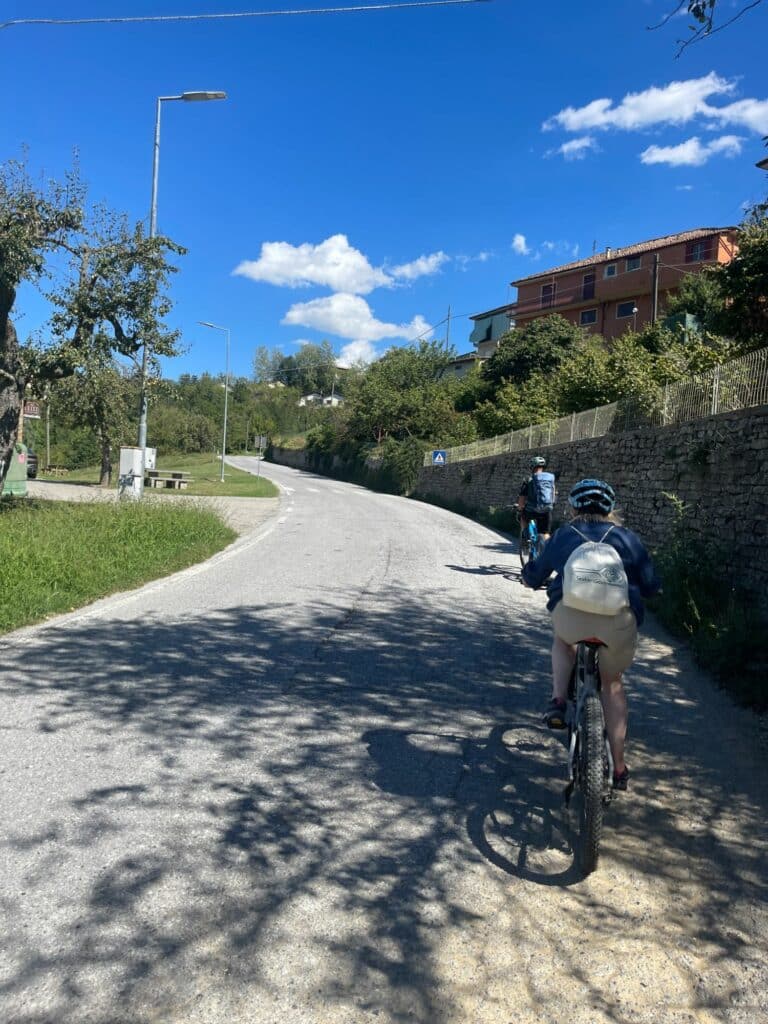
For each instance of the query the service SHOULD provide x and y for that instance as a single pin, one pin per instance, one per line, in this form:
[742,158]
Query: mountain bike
[530,541]
[589,755]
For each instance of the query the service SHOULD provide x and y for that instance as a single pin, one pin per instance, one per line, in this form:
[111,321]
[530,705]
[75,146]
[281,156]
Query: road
[305,782]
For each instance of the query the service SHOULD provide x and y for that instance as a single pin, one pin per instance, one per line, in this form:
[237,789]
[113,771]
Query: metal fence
[739,384]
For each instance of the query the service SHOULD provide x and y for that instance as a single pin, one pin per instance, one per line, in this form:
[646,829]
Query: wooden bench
[174,479]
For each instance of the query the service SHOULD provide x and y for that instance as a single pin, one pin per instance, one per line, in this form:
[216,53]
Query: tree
[116,297]
[744,282]
[99,396]
[403,394]
[704,13]
[702,296]
[33,222]
[539,346]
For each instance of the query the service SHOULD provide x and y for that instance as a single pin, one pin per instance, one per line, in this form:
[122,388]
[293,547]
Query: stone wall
[717,466]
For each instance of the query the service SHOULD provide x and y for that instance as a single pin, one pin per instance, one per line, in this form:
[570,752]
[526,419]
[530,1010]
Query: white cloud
[357,353]
[677,103]
[350,316]
[692,152]
[683,188]
[333,263]
[421,267]
[519,245]
[576,149]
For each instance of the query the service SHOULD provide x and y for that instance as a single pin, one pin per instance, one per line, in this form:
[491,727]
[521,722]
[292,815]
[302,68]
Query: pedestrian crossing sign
[439,457]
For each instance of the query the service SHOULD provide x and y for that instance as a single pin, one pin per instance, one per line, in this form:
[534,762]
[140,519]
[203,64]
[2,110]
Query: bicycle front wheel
[525,547]
[591,753]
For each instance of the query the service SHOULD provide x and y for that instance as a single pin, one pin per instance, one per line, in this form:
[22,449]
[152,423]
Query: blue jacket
[643,581]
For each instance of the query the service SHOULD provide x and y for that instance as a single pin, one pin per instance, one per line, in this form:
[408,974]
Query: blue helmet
[592,494]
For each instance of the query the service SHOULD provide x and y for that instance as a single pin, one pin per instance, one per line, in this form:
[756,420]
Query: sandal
[554,716]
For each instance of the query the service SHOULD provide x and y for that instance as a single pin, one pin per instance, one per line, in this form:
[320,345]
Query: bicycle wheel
[591,752]
[525,546]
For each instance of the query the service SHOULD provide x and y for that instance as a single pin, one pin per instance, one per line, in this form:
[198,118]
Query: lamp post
[187,97]
[216,327]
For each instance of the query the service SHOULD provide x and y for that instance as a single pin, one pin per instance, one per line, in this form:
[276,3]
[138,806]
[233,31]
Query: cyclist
[537,497]
[592,503]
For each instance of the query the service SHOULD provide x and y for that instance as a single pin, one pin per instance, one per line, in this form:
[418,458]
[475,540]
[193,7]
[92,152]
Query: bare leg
[615,711]
[563,657]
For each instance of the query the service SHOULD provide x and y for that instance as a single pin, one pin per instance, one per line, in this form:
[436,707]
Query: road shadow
[326,790]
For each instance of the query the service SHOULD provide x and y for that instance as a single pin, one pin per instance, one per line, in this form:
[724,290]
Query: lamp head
[200,97]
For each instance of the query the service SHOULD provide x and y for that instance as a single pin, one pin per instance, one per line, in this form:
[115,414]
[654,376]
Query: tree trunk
[11,386]
[106,463]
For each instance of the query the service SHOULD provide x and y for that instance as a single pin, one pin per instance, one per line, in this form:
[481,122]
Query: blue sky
[369,170]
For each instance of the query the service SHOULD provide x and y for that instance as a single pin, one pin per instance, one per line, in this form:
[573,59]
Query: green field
[205,472]
[57,556]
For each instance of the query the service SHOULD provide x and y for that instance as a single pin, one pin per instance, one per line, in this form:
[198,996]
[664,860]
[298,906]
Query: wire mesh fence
[739,384]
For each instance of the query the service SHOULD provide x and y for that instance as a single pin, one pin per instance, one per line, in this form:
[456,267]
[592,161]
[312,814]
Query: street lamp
[187,97]
[216,327]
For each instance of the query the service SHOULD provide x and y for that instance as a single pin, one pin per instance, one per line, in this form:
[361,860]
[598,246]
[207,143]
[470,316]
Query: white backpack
[594,578]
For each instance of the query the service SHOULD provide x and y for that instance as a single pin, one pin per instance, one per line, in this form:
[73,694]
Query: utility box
[130,482]
[150,459]
[16,478]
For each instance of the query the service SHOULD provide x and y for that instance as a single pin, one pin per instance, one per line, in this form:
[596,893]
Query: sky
[369,171]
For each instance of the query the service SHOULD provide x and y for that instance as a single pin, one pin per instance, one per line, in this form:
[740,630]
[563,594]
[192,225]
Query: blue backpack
[541,490]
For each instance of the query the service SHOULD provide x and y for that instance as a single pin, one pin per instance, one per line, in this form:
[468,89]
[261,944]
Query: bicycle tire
[591,755]
[525,547]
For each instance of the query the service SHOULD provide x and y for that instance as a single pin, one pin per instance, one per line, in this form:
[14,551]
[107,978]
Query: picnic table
[171,478]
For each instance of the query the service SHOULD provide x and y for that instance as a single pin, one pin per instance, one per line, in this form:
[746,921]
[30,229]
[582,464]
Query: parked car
[31,465]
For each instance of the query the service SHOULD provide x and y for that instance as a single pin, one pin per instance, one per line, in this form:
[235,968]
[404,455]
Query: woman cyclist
[592,502]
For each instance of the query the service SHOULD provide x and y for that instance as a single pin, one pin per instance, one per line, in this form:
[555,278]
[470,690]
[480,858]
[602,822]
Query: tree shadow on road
[340,794]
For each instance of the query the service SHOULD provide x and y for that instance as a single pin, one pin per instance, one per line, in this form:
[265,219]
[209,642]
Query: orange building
[614,290]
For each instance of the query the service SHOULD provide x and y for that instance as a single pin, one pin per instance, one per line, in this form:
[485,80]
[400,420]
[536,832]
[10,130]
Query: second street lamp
[216,327]
[187,97]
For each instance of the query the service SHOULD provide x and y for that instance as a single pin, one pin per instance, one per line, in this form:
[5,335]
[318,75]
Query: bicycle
[590,762]
[530,541]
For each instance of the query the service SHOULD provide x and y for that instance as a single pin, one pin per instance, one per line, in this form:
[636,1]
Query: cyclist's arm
[648,583]
[536,573]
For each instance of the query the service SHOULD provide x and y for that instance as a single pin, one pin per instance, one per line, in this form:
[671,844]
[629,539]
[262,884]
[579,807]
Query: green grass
[205,470]
[57,556]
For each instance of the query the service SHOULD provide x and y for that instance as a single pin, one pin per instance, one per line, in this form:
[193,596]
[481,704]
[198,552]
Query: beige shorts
[617,632]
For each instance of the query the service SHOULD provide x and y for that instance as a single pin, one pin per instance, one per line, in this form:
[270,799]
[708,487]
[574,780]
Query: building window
[548,295]
[588,317]
[625,309]
[588,286]
[697,252]
[633,263]
[610,270]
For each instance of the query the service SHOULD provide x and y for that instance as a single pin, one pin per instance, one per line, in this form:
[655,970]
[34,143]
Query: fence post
[573,423]
[530,437]
[594,423]
[549,434]
[715,390]
[665,409]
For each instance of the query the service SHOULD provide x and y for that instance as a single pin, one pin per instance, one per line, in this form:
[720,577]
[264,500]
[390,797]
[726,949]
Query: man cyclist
[592,503]
[537,497]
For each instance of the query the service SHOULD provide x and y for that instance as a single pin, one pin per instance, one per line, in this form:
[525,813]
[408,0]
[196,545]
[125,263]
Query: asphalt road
[305,782]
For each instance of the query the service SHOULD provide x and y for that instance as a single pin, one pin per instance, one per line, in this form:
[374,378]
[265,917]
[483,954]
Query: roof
[491,312]
[467,357]
[629,250]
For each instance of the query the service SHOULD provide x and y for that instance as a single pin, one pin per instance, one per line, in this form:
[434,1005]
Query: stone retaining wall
[717,466]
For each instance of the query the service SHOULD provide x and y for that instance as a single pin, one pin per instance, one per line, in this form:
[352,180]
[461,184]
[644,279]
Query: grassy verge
[205,471]
[57,556]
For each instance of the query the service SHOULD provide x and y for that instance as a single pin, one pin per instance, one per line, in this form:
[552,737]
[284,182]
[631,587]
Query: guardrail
[740,384]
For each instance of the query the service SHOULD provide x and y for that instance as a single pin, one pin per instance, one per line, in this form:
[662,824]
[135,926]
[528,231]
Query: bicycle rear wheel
[591,755]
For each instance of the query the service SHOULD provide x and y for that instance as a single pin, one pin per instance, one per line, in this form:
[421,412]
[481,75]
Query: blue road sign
[439,457]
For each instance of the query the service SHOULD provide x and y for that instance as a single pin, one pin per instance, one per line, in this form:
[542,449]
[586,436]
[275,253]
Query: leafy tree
[312,369]
[34,222]
[702,296]
[539,346]
[744,282]
[99,396]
